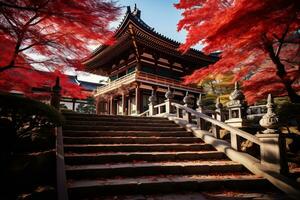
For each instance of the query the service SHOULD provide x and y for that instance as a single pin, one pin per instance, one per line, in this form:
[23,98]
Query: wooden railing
[143,77]
[128,78]
[164,81]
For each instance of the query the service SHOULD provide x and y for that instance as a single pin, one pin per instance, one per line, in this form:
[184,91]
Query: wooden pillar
[138,99]
[129,105]
[73,104]
[97,106]
[108,107]
[123,103]
[111,105]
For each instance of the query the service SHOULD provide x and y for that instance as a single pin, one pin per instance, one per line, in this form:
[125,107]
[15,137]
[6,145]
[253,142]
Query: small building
[87,88]
[139,62]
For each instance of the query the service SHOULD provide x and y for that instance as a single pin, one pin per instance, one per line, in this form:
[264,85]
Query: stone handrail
[223,125]
[260,107]
[144,114]
[61,180]
[159,106]
[272,145]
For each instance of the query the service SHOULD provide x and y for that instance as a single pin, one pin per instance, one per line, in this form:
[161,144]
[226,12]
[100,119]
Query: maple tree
[259,41]
[219,84]
[53,34]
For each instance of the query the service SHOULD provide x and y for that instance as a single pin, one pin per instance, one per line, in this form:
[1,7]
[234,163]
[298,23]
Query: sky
[158,14]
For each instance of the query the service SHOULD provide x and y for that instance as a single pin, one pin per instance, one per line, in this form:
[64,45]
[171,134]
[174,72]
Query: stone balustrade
[271,143]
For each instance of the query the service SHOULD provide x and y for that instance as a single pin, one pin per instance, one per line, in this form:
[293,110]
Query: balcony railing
[128,78]
[146,78]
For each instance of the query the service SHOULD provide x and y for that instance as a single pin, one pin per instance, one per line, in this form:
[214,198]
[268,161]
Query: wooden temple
[141,62]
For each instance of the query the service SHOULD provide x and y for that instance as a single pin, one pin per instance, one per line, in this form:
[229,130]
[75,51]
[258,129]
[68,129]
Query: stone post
[188,102]
[219,117]
[56,94]
[219,110]
[272,148]
[200,104]
[152,102]
[169,98]
[200,108]
[200,121]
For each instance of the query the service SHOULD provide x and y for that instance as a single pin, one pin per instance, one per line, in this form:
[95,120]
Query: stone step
[123,120]
[111,117]
[131,140]
[219,195]
[101,158]
[121,128]
[152,169]
[83,148]
[165,184]
[122,133]
[121,123]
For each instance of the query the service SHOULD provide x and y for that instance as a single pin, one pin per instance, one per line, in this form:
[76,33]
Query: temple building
[139,63]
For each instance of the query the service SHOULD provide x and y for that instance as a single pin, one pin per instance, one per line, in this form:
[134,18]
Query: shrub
[27,114]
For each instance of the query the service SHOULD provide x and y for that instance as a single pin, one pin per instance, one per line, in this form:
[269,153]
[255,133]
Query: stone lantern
[237,108]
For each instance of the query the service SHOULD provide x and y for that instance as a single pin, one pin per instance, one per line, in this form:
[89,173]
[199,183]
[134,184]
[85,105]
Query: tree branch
[281,40]
[275,59]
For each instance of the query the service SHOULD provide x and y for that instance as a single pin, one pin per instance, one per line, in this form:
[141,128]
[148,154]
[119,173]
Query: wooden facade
[139,62]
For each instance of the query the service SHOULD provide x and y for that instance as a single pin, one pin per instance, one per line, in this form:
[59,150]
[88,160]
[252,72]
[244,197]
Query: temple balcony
[145,78]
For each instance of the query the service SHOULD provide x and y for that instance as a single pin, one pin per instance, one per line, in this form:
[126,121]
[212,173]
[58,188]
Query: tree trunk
[294,97]
[281,72]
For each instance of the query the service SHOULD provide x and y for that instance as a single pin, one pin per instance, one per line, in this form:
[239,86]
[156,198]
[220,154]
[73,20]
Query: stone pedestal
[169,98]
[188,102]
[199,102]
[151,109]
[152,100]
[272,152]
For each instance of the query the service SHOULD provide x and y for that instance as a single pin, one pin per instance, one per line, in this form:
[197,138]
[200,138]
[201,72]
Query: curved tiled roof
[139,21]
[145,32]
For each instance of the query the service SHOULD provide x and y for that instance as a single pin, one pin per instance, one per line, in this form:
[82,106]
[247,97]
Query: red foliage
[259,41]
[50,33]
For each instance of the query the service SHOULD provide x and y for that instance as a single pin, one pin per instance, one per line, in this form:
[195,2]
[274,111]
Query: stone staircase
[111,157]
